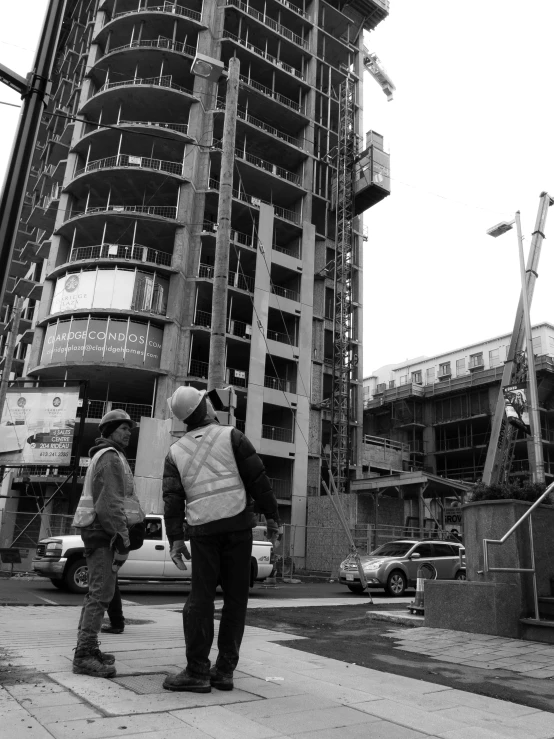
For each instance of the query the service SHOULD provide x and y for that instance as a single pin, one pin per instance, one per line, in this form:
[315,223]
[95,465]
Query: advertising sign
[99,288]
[37,425]
[98,340]
[453,520]
[515,406]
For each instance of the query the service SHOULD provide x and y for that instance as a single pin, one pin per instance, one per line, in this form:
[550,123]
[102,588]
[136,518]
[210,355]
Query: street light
[534,418]
[211,69]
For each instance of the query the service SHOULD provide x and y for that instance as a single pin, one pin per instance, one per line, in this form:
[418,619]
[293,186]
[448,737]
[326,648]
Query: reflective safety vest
[85,513]
[209,474]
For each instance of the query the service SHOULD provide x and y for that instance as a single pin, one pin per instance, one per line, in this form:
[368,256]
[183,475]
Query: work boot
[105,657]
[220,680]
[185,681]
[112,629]
[88,662]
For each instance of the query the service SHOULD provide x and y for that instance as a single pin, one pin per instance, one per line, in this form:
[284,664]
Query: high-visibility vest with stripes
[209,474]
[85,513]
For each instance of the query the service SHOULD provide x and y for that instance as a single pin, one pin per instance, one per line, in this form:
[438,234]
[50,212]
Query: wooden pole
[216,367]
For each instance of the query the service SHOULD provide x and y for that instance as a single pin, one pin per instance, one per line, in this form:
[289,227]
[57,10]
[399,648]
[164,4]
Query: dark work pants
[224,558]
[115,609]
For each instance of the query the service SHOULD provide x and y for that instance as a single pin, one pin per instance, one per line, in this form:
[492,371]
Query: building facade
[436,412]
[116,251]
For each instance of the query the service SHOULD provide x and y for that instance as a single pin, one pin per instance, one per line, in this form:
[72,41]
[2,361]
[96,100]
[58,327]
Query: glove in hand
[178,552]
[272,531]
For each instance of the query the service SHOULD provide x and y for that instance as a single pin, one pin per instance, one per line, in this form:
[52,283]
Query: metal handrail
[532,569]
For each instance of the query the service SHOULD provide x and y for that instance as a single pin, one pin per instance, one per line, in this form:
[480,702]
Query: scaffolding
[342,318]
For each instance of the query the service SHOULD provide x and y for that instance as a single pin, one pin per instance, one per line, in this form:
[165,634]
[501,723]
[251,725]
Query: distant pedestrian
[107,509]
[213,481]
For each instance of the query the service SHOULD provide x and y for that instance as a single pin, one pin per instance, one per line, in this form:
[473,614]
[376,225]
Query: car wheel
[76,577]
[396,584]
[355,589]
[59,584]
[461,575]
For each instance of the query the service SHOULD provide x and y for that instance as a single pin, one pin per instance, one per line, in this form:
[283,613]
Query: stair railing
[531,569]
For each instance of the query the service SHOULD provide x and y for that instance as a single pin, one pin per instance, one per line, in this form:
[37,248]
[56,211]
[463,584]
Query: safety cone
[418,605]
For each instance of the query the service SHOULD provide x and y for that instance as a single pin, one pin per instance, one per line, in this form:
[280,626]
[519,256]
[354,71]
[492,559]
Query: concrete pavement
[279,692]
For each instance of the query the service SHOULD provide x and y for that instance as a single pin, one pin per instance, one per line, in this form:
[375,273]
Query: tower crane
[373,65]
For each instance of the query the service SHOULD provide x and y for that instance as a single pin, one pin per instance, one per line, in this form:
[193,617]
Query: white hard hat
[184,401]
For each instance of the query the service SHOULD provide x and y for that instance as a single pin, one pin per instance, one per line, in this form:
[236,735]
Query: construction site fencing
[326,547]
[24,530]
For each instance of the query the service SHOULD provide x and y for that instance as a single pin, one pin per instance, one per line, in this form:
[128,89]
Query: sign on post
[37,426]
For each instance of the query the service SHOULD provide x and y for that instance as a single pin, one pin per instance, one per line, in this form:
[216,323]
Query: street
[27,591]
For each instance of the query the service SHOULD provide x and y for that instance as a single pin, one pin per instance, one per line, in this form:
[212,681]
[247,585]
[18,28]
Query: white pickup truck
[61,559]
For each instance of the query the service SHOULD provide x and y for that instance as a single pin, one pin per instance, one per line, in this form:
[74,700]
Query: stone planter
[494,603]
[491,519]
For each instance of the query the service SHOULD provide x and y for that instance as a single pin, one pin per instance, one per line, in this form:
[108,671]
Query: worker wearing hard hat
[213,483]
[107,510]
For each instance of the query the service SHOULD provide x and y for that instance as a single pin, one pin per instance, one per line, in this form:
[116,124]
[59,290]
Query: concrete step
[541,630]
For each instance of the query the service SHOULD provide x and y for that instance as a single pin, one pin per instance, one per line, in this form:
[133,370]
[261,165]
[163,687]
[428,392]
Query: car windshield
[392,549]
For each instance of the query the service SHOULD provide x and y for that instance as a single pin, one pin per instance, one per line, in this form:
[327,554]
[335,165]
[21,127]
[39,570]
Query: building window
[444,370]
[460,366]
[551,345]
[430,375]
[476,361]
[537,345]
[404,379]
[494,358]
[417,378]
[391,384]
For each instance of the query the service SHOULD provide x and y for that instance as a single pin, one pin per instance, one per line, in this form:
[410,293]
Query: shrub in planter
[528,492]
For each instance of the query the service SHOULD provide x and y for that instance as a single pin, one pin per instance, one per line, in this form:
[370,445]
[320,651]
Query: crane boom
[497,464]
[373,65]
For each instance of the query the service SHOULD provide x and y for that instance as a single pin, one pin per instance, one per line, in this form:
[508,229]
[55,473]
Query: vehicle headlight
[372,566]
[54,549]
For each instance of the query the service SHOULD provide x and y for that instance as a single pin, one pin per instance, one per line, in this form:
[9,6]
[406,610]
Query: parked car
[61,559]
[394,565]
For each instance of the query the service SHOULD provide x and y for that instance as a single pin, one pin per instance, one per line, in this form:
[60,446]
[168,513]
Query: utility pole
[10,348]
[536,461]
[216,366]
[34,91]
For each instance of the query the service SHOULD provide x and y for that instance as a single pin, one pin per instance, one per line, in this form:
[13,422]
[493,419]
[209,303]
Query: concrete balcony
[96,409]
[128,161]
[125,252]
[296,73]
[280,30]
[28,289]
[383,453]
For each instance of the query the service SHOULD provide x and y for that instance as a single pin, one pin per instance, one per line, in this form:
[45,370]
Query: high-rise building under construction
[116,250]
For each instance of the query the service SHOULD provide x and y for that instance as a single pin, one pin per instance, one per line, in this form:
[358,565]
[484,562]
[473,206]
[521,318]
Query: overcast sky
[471,136]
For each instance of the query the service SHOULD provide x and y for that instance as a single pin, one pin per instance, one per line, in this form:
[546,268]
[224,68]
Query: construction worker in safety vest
[107,511]
[214,484]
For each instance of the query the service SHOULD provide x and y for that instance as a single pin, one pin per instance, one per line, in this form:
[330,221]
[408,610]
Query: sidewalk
[279,692]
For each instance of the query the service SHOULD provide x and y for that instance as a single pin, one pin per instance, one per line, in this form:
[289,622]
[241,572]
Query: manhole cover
[143,684]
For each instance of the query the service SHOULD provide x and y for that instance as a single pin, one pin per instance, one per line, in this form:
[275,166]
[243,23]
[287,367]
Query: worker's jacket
[209,474]
[86,513]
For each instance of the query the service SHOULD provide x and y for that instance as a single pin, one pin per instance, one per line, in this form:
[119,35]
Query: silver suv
[394,565]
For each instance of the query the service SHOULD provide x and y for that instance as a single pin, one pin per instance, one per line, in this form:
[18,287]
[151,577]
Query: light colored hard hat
[116,415]
[184,401]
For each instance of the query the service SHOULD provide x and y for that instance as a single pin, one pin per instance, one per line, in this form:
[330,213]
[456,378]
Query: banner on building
[453,521]
[515,406]
[37,425]
[97,340]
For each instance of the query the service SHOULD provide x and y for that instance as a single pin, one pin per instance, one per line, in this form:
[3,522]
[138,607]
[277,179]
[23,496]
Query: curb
[396,618]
